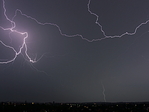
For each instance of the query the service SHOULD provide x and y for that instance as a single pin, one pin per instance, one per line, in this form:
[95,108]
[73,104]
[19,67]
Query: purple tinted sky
[73,69]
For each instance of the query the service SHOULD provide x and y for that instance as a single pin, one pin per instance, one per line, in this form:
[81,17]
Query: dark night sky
[73,69]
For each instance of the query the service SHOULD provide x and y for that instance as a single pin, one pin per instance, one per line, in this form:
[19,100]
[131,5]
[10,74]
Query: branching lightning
[103,32]
[15,31]
[25,34]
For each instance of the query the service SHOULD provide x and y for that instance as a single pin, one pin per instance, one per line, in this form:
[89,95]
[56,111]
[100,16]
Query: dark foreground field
[74,107]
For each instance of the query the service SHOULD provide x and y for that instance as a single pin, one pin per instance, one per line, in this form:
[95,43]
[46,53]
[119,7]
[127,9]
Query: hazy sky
[74,69]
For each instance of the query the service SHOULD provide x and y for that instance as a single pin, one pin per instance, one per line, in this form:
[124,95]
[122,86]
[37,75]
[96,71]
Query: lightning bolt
[12,29]
[103,32]
[25,34]
[103,92]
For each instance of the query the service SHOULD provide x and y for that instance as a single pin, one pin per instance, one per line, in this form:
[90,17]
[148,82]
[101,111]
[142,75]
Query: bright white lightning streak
[103,92]
[110,36]
[24,45]
[15,31]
